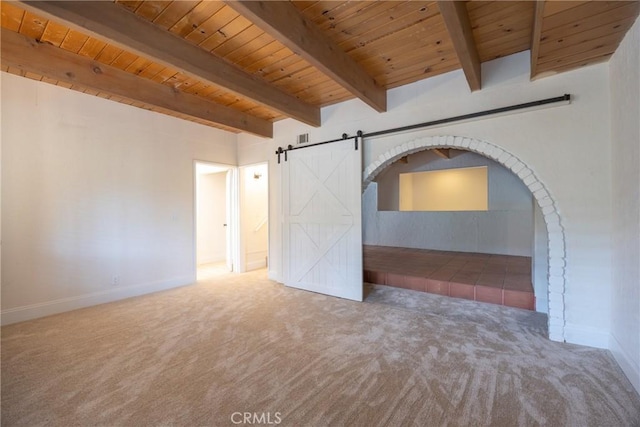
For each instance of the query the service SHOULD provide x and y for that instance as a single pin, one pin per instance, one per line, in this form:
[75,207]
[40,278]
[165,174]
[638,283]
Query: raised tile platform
[496,279]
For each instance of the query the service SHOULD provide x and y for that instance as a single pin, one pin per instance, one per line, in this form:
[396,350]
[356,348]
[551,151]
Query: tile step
[485,293]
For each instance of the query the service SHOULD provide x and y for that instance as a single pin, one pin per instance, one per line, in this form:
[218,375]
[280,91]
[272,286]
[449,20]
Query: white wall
[625,132]
[211,215]
[94,190]
[567,147]
[507,228]
[255,215]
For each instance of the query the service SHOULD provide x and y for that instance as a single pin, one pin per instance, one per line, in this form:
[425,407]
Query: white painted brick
[556,334]
[473,145]
[556,271]
[512,161]
[556,305]
[497,152]
[546,210]
[524,172]
[556,281]
[558,296]
[555,237]
[552,218]
[556,262]
[556,248]
[554,226]
[535,187]
[529,180]
[557,251]
[411,145]
[557,315]
[404,147]
[458,141]
[541,193]
[488,152]
[441,140]
[556,288]
[504,157]
[556,320]
[517,167]
[465,142]
[544,202]
[556,328]
[482,146]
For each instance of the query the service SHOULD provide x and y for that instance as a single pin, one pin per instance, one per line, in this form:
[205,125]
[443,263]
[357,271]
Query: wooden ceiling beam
[442,152]
[283,21]
[29,55]
[536,36]
[113,23]
[456,20]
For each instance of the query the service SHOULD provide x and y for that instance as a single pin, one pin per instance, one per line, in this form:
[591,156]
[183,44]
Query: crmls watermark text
[256,418]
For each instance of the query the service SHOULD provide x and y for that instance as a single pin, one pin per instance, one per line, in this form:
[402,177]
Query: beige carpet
[195,356]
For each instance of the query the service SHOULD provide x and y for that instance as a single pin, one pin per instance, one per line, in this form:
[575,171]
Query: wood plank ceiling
[241,66]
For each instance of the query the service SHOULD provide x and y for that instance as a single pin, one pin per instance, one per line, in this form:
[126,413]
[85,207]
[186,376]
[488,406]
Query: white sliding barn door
[322,238]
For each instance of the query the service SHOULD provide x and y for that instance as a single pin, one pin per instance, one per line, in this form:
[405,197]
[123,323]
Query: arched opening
[541,195]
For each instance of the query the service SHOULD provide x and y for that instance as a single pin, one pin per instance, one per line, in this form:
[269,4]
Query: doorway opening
[254,217]
[549,240]
[214,219]
[457,225]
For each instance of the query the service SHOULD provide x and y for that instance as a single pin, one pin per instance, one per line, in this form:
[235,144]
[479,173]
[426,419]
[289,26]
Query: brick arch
[555,230]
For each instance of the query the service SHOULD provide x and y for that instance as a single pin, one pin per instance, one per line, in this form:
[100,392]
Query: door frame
[242,261]
[232,208]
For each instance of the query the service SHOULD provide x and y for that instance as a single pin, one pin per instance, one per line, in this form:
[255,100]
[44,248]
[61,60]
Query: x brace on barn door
[566,98]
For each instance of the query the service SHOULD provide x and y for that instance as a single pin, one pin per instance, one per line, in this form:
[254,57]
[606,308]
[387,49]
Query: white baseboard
[630,369]
[256,260]
[212,259]
[254,265]
[47,308]
[584,335]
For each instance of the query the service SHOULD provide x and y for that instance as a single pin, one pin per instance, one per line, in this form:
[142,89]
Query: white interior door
[322,233]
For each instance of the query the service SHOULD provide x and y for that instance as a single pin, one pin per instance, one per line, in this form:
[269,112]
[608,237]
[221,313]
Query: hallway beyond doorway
[211,270]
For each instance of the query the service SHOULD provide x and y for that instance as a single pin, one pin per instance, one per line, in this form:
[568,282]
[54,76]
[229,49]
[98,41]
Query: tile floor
[496,279]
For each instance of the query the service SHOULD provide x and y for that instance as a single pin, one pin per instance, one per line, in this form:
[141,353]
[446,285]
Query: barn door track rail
[565,99]
[290,147]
